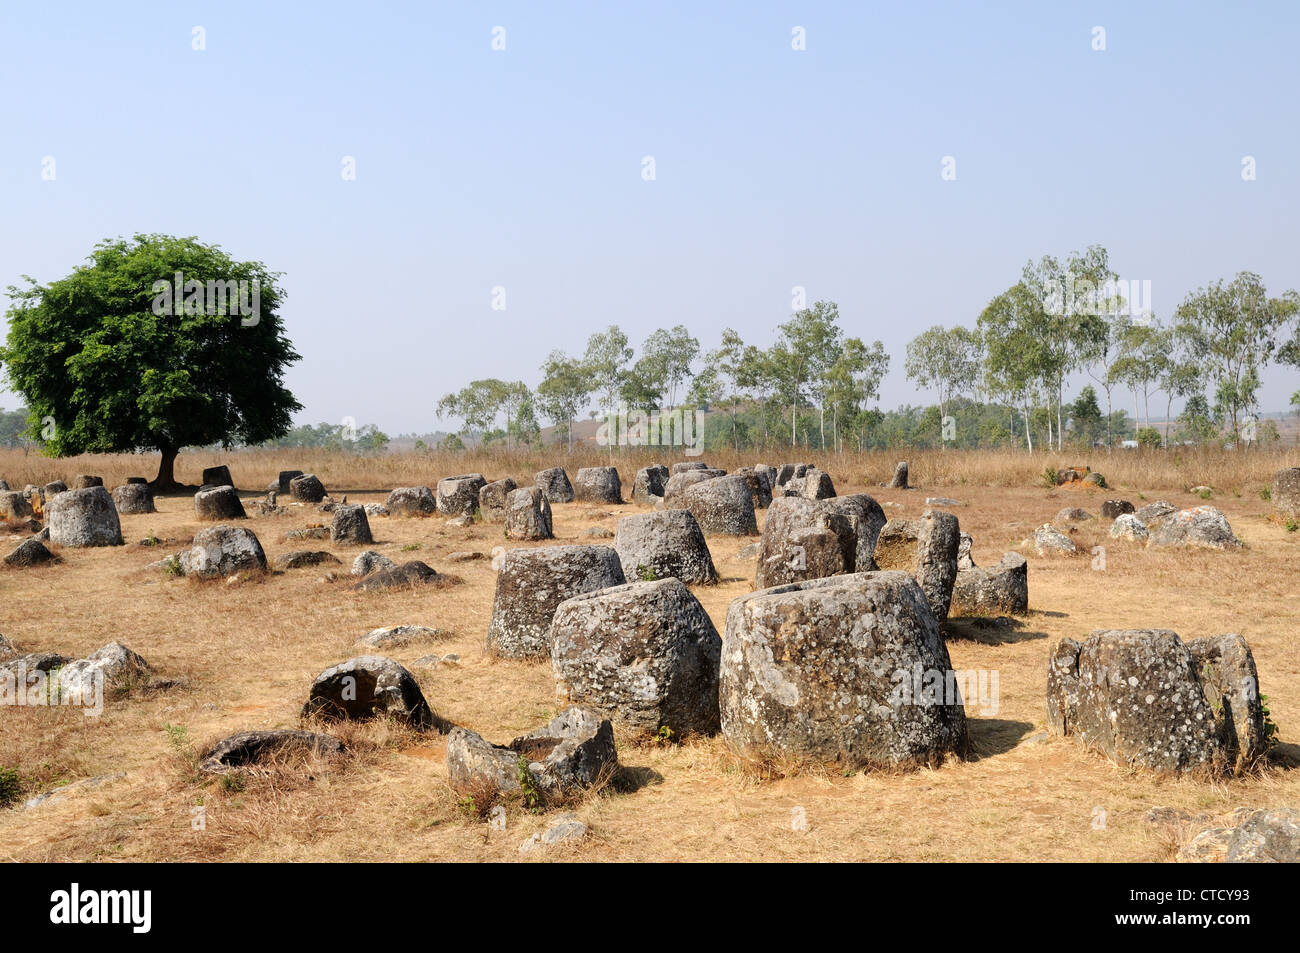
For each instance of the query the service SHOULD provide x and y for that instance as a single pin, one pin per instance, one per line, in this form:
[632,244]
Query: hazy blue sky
[522,168]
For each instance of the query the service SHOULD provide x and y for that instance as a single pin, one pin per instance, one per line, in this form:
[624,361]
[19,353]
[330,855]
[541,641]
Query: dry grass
[245,653]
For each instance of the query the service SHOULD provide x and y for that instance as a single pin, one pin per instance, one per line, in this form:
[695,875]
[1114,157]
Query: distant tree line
[1001,383]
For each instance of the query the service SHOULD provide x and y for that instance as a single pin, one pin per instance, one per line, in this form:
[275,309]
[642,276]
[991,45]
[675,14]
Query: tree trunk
[165,481]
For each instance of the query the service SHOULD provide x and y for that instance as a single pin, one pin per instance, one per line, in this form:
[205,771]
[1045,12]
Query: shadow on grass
[1001,630]
[994,736]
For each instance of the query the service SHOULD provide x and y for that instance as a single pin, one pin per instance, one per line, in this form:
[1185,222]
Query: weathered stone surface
[365,687]
[133,498]
[85,517]
[14,506]
[936,559]
[396,636]
[807,539]
[649,484]
[221,551]
[760,486]
[964,558]
[1128,526]
[218,503]
[899,480]
[51,490]
[815,484]
[306,488]
[1202,526]
[1134,695]
[1285,492]
[1156,512]
[830,669]
[111,667]
[533,582]
[598,485]
[85,480]
[217,476]
[528,514]
[1047,540]
[376,509]
[413,573]
[1112,509]
[464,521]
[247,748]
[304,558]
[571,753]
[1002,589]
[554,482]
[458,495]
[371,561]
[685,466]
[644,655]
[30,552]
[723,506]
[350,526]
[31,669]
[411,501]
[789,471]
[307,532]
[1266,836]
[677,485]
[492,500]
[565,829]
[1072,514]
[283,482]
[1226,667]
[666,543]
[896,545]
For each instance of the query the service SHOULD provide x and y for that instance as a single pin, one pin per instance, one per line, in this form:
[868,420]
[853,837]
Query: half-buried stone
[365,687]
[14,506]
[850,669]
[85,517]
[249,748]
[411,501]
[554,482]
[371,561]
[492,500]
[1002,589]
[723,506]
[408,574]
[85,480]
[218,503]
[222,551]
[458,495]
[809,539]
[530,586]
[133,498]
[663,544]
[528,514]
[1137,697]
[649,485]
[677,485]
[1202,526]
[597,485]
[30,552]
[283,482]
[572,753]
[644,655]
[307,488]
[350,525]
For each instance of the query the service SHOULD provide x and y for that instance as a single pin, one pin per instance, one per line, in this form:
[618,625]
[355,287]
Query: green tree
[805,350]
[946,360]
[1232,331]
[116,368]
[1016,354]
[564,390]
[1086,416]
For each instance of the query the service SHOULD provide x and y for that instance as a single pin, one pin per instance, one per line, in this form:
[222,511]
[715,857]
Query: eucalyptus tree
[946,360]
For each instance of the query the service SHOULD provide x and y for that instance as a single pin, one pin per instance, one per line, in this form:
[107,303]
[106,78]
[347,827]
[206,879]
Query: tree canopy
[158,343]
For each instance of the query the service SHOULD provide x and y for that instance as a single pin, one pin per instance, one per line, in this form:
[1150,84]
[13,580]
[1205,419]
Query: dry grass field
[245,653]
